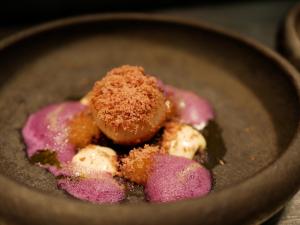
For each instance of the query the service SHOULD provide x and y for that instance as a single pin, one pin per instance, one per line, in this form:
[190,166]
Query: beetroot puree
[191,108]
[47,130]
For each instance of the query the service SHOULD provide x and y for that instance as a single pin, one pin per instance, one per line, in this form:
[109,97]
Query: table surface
[259,20]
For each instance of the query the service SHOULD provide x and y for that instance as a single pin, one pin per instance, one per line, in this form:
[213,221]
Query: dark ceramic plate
[254,92]
[289,40]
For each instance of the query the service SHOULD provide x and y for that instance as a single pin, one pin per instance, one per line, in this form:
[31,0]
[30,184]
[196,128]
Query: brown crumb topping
[136,166]
[125,97]
[83,130]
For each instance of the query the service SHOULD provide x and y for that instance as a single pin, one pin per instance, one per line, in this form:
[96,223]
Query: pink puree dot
[191,108]
[46,129]
[175,178]
[100,190]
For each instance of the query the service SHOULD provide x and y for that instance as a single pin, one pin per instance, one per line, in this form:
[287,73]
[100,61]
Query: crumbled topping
[83,130]
[126,97]
[136,166]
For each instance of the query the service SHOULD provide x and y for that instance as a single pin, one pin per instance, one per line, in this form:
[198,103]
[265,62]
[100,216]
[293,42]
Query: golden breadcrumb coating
[83,130]
[128,106]
[136,166]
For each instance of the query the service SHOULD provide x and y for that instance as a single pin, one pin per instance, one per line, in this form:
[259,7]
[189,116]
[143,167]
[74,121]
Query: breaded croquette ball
[136,166]
[128,105]
[83,129]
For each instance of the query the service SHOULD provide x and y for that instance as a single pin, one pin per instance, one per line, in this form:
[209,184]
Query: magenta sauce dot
[104,189]
[176,178]
[46,129]
[191,108]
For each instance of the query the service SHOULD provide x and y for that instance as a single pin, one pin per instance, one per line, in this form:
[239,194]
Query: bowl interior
[255,102]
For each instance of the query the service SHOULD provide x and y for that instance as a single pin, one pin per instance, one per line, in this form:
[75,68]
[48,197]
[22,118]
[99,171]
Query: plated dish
[259,139]
[128,109]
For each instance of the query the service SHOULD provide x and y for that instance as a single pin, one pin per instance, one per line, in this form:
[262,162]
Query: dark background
[260,20]
[257,19]
[46,9]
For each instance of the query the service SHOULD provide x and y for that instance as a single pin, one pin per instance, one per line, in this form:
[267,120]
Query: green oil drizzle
[45,157]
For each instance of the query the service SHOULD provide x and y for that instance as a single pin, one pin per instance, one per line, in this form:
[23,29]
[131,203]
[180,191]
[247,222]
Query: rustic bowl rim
[14,194]
[291,38]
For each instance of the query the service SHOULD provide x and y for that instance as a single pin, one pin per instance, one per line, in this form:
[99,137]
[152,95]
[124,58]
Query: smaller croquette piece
[136,166]
[83,130]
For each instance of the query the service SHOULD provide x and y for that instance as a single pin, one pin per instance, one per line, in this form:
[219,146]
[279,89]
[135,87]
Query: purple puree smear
[175,178]
[100,190]
[191,108]
[45,133]
[47,130]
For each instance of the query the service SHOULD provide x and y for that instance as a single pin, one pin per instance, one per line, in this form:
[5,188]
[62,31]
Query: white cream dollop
[94,159]
[187,141]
